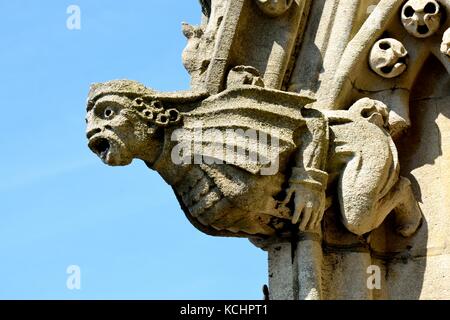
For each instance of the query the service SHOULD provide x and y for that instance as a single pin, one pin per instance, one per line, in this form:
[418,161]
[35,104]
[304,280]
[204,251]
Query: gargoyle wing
[249,127]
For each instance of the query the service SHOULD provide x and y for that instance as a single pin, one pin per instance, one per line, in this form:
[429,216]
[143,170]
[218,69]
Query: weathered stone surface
[317,129]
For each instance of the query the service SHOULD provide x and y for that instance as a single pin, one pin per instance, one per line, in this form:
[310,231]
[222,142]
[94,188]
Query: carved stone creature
[189,56]
[445,46]
[388,58]
[201,41]
[299,153]
[421,18]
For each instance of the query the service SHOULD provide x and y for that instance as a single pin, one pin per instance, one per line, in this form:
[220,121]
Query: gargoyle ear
[190,31]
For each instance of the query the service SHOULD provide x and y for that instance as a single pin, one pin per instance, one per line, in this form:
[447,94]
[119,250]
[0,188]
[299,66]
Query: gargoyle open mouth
[422,29]
[100,146]
[388,69]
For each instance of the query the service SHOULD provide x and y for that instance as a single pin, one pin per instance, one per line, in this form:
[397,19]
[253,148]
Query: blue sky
[59,205]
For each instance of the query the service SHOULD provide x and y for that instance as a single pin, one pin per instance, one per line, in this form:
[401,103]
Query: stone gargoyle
[255,162]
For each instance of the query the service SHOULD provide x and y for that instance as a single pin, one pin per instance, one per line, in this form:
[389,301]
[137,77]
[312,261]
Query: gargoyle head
[388,58]
[125,120]
[421,18]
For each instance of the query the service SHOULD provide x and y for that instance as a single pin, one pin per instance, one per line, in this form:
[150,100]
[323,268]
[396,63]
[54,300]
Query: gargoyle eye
[384,45]
[409,11]
[430,8]
[108,113]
